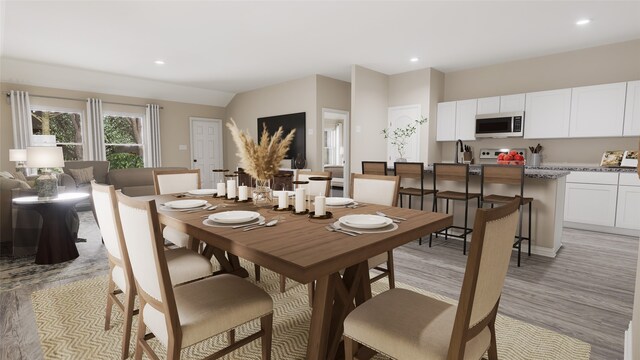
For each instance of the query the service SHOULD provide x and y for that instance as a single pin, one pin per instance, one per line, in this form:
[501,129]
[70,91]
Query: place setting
[235,219]
[187,205]
[358,224]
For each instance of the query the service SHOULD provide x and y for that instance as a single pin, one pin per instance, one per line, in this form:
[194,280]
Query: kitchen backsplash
[579,151]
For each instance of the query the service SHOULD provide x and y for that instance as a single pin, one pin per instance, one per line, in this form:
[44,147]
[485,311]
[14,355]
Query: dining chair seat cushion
[187,265]
[406,325]
[378,260]
[414,191]
[455,195]
[176,237]
[211,306]
[504,199]
[184,265]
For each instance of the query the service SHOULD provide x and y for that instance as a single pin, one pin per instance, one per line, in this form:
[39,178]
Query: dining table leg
[335,297]
[229,263]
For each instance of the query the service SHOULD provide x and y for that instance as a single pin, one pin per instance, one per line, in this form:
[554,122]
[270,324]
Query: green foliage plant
[400,136]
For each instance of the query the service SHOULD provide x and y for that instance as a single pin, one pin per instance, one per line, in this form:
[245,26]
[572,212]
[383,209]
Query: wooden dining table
[302,249]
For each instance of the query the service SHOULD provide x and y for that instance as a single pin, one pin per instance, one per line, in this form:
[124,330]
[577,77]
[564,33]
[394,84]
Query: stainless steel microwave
[500,125]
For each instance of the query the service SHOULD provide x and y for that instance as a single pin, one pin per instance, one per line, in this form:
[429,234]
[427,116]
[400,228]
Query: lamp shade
[44,157]
[17,154]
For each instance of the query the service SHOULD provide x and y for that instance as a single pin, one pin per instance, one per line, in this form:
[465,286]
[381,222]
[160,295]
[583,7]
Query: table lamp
[45,157]
[19,156]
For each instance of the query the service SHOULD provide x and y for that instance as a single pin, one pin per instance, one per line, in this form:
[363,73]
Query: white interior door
[401,116]
[206,149]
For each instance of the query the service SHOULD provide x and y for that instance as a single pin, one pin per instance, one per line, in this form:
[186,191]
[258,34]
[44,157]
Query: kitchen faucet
[458,151]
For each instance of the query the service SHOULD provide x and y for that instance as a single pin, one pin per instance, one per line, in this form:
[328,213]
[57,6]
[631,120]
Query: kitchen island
[545,186]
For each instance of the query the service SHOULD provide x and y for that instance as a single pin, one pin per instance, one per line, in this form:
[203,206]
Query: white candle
[283,202]
[221,189]
[231,189]
[243,193]
[300,200]
[320,205]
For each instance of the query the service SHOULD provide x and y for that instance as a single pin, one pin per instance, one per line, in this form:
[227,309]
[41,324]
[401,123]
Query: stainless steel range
[489,156]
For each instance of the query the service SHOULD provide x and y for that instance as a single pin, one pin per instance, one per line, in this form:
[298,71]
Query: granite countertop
[534,173]
[583,167]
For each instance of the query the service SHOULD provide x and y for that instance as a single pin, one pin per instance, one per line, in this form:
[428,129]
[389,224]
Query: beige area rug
[70,321]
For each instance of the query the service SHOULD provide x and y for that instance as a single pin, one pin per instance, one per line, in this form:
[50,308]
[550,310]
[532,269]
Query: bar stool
[374,168]
[415,171]
[456,173]
[507,175]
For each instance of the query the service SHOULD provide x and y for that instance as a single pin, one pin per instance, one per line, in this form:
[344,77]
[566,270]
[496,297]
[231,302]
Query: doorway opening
[335,149]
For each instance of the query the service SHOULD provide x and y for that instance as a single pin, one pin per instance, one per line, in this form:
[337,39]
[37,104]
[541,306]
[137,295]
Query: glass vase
[262,195]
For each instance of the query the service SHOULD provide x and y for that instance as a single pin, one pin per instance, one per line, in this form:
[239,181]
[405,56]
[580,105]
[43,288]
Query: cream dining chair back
[315,187]
[184,265]
[185,315]
[175,181]
[405,325]
[171,182]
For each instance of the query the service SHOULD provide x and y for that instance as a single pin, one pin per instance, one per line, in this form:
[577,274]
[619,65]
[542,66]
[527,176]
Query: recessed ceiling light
[159,62]
[583,21]
[414,59]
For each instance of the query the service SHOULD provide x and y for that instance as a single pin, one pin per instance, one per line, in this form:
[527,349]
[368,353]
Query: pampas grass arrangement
[262,160]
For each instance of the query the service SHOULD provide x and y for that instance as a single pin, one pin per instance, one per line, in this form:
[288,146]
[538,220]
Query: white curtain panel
[95,131]
[151,140]
[21,119]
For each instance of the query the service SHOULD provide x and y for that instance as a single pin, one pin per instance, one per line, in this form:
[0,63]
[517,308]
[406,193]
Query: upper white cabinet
[446,121]
[489,105]
[512,103]
[466,119]
[547,114]
[632,110]
[597,111]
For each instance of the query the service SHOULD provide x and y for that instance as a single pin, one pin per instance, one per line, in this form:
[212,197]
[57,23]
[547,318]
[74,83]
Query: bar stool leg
[464,234]
[422,202]
[400,200]
[529,250]
[446,230]
[520,237]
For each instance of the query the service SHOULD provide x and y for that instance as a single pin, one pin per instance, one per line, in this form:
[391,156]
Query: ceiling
[238,46]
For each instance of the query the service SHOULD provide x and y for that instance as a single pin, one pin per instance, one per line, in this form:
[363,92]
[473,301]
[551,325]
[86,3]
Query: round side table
[57,243]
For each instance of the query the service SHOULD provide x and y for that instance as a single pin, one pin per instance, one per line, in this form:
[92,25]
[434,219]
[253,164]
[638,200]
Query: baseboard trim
[602,229]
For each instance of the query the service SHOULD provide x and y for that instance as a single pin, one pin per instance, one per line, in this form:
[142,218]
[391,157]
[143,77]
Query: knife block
[467,157]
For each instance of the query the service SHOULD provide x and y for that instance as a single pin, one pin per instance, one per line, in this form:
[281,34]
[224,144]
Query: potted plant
[400,136]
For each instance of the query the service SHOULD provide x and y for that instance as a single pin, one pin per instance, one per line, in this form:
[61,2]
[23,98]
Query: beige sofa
[100,170]
[337,175]
[135,182]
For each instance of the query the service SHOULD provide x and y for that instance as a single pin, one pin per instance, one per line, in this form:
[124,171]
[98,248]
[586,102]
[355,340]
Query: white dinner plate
[289,193]
[234,217]
[185,204]
[203,192]
[364,221]
[338,201]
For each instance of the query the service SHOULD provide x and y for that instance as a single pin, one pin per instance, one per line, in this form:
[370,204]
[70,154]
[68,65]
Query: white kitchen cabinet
[547,114]
[488,105]
[446,121]
[592,204]
[628,214]
[597,111]
[512,103]
[466,119]
[632,110]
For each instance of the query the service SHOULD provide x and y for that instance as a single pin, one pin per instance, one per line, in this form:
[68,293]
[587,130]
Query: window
[66,126]
[123,141]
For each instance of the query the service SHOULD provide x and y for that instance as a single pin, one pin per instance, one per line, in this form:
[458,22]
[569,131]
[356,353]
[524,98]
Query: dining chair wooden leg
[107,314]
[142,328]
[283,283]
[256,268]
[173,349]
[390,268]
[128,320]
[231,335]
[311,289]
[493,350]
[266,322]
[350,348]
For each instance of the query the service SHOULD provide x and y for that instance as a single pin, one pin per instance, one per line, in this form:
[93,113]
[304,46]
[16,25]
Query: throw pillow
[82,176]
[6,175]
[18,175]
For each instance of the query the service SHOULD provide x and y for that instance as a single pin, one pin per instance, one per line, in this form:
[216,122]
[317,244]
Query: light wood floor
[585,292]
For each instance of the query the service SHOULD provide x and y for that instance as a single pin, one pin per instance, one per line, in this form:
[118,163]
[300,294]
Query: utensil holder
[535,160]
[467,157]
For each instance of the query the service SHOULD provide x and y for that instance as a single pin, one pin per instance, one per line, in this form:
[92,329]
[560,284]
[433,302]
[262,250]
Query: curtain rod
[83,100]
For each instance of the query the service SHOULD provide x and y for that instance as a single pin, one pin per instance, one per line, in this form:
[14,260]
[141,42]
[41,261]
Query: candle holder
[288,208]
[305,212]
[327,215]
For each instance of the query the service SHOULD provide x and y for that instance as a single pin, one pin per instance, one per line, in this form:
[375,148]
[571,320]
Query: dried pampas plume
[262,160]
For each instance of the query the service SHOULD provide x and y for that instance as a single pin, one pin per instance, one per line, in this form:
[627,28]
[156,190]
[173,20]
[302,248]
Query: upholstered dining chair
[313,188]
[381,190]
[184,265]
[171,182]
[406,325]
[190,313]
